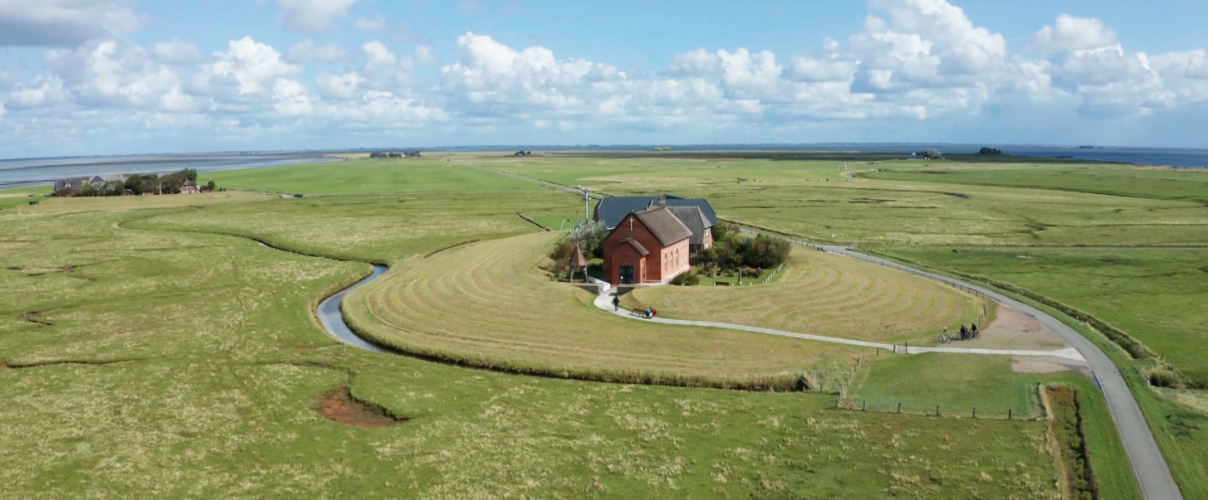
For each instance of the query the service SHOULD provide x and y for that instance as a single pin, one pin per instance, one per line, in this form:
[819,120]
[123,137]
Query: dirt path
[1013,329]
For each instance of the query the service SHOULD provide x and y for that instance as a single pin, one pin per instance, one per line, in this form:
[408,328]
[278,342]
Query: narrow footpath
[604,302]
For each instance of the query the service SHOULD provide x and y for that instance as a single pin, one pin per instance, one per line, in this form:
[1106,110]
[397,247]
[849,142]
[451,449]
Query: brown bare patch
[339,406]
[1012,329]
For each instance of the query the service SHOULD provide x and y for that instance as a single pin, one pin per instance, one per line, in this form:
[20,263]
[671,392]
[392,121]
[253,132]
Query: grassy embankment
[478,305]
[215,366]
[824,294]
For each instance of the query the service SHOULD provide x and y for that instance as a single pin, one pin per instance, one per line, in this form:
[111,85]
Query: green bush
[686,279]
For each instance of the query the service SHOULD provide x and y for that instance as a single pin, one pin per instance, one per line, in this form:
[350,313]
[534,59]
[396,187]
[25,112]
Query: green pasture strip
[1180,430]
[957,384]
[373,228]
[17,197]
[221,367]
[366,176]
[1155,295]
[816,199]
[1161,184]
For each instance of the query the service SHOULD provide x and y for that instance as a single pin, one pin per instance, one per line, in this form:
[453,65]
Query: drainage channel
[333,319]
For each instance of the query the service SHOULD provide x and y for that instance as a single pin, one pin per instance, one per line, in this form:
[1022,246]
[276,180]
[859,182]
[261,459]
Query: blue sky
[81,77]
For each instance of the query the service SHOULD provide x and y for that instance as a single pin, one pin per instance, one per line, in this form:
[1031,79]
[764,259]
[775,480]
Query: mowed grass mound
[490,305]
[825,294]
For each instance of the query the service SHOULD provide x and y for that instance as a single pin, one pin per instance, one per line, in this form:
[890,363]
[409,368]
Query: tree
[210,186]
[724,230]
[590,237]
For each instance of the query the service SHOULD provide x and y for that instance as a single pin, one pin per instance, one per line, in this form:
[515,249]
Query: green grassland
[820,200]
[1156,295]
[394,175]
[954,383]
[1160,184]
[165,361]
[153,351]
[824,294]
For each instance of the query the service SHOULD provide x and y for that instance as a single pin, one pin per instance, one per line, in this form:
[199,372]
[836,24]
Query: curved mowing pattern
[487,304]
[823,294]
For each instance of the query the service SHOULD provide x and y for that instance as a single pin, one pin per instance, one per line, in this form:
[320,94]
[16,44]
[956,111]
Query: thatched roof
[664,225]
[694,219]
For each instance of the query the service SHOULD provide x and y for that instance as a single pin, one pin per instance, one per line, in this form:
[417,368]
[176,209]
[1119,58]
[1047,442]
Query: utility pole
[586,205]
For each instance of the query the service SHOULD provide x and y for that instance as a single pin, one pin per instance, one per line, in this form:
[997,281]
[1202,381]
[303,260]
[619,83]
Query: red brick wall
[626,255]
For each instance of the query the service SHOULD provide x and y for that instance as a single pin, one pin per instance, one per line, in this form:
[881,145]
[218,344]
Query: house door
[626,275]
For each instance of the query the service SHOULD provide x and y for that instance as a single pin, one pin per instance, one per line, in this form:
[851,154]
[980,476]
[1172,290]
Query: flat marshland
[151,347]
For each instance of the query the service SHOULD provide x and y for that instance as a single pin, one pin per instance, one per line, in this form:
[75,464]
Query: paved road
[1149,467]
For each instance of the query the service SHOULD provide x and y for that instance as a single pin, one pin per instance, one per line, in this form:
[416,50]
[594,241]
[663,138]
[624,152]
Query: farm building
[74,183]
[695,213]
[647,247]
[613,210]
[189,187]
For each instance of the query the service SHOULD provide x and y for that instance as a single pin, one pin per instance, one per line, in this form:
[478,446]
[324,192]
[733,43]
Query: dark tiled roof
[664,225]
[637,246]
[613,210]
[694,219]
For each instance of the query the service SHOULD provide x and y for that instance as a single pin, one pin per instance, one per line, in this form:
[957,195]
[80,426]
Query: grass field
[824,294]
[818,200]
[1156,295]
[1161,184]
[479,304]
[396,175]
[956,384]
[164,361]
[147,355]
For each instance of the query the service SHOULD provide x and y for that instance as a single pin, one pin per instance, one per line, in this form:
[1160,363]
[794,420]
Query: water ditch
[333,319]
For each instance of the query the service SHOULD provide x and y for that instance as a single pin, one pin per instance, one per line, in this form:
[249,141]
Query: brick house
[696,213]
[647,247]
[189,187]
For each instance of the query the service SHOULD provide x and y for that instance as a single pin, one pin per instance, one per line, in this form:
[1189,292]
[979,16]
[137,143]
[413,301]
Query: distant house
[73,183]
[189,187]
[99,181]
[647,247]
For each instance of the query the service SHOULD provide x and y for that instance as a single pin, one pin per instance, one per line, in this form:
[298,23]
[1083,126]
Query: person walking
[616,303]
[648,312]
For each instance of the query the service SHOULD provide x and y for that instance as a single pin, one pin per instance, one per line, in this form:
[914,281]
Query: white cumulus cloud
[50,23]
[312,16]
[246,68]
[1073,33]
